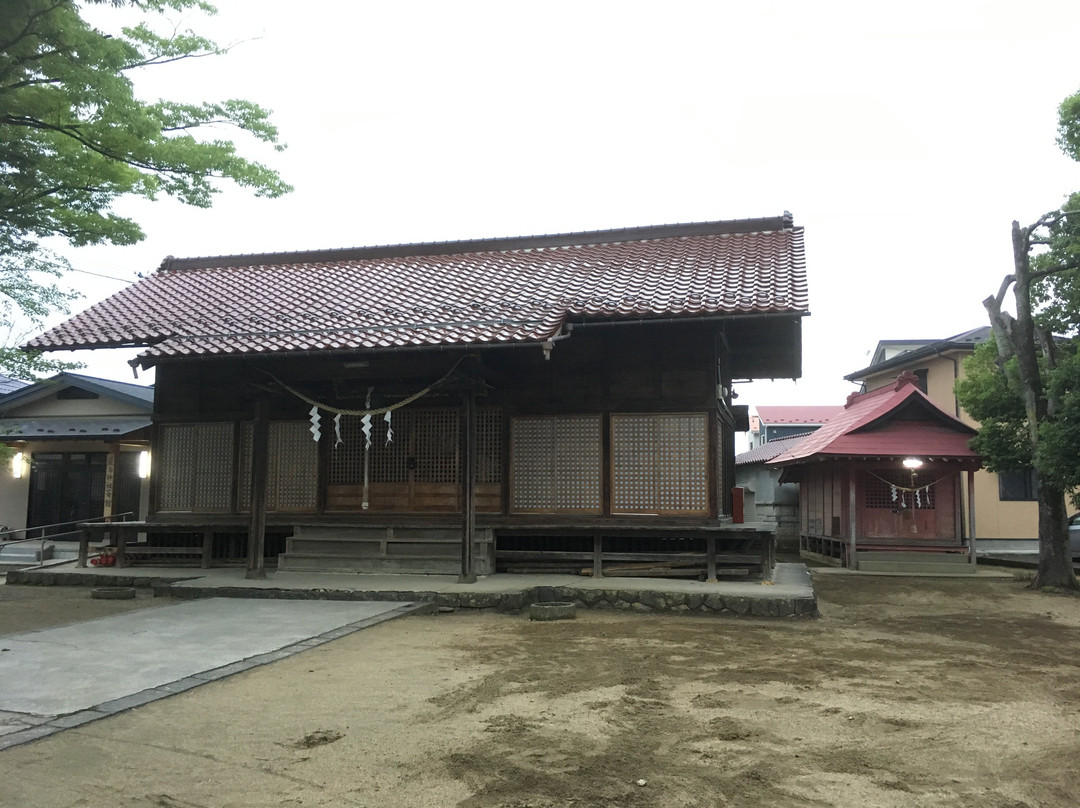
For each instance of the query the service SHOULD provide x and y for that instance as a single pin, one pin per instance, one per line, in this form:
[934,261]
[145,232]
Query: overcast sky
[905,138]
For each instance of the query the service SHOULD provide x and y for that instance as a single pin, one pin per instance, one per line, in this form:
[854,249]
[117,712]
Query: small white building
[77,450]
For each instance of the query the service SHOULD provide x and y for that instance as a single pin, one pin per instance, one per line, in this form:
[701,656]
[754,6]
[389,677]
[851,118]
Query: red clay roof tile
[481,292]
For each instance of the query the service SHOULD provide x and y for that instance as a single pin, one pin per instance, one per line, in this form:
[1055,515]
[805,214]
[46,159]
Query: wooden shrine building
[548,402]
[880,484]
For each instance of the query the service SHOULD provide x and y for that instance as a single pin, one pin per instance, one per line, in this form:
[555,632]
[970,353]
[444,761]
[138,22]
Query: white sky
[905,138]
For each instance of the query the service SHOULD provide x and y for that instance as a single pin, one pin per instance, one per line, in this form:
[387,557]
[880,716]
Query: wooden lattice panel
[347,458]
[196,467]
[884,490]
[293,472]
[489,445]
[243,470]
[435,445]
[292,467]
[556,464]
[660,463]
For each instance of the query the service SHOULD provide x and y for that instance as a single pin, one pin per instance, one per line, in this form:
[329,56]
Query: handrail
[72,531]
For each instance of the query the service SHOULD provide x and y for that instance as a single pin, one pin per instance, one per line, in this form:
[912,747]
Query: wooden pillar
[852,521]
[111,465]
[260,446]
[598,556]
[971,512]
[468,486]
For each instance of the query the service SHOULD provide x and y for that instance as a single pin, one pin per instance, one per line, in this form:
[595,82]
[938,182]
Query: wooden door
[897,508]
[66,487]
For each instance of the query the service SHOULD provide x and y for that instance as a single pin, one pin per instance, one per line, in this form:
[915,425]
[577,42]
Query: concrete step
[929,567]
[26,553]
[912,555]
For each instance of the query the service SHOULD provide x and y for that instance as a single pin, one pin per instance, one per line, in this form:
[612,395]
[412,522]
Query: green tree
[1024,385]
[74,137]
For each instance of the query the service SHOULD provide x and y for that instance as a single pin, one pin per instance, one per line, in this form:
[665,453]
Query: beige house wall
[51,406]
[994,519]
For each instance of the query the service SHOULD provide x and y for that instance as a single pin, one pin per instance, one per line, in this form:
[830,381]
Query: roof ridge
[496,244]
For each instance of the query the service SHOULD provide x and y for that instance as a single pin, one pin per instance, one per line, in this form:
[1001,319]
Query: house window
[1018,486]
[556,464]
[921,376]
[660,463]
[196,467]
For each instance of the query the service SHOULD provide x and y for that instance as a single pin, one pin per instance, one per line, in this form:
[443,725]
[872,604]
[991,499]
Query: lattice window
[660,463]
[489,445]
[292,467]
[429,436]
[886,490]
[435,442]
[195,467]
[556,463]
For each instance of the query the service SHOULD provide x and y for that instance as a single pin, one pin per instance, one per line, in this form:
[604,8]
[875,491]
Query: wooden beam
[468,486]
[852,521]
[260,446]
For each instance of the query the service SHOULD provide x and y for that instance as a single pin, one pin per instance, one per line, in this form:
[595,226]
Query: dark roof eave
[900,360]
[975,462]
[146,362]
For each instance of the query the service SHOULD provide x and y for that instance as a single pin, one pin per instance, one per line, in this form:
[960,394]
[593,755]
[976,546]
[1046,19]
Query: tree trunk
[1055,560]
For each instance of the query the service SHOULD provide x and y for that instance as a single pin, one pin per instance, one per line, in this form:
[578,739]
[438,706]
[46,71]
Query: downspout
[956,376]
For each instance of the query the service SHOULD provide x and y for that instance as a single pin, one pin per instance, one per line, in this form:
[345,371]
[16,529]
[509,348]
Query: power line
[100,275]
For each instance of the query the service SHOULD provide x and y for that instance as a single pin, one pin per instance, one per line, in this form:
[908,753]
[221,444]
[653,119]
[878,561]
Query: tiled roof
[812,414]
[767,451]
[136,395]
[72,427]
[9,385]
[455,293]
[893,421]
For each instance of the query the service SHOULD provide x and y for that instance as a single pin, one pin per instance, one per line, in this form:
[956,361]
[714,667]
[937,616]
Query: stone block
[738,604]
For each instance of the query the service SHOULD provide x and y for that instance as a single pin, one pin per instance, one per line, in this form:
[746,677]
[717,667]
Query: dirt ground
[907,692]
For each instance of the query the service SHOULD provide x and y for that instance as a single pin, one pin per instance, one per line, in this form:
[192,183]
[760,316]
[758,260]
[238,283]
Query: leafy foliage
[987,394]
[74,137]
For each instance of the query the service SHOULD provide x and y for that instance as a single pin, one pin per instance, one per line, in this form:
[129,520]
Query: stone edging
[645,601]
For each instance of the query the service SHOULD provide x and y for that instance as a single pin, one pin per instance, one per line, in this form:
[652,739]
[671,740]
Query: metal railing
[71,529]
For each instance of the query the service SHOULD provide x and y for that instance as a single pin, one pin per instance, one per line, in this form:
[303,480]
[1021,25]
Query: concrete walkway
[225,623]
[59,678]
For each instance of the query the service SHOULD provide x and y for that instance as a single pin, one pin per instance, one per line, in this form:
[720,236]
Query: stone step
[315,562]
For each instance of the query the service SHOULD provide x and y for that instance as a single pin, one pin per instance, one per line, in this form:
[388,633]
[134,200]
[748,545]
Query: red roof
[814,414]
[893,421]
[456,293]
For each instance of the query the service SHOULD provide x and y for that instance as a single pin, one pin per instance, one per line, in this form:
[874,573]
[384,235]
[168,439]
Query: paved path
[62,677]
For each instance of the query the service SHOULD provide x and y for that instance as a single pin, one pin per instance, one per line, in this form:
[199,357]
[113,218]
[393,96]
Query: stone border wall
[633,600]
